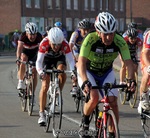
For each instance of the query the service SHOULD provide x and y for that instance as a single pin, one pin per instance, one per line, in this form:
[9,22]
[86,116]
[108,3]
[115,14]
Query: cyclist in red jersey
[134,43]
[145,67]
[27,50]
[53,51]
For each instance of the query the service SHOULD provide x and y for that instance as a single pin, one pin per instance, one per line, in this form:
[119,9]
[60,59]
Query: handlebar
[56,71]
[105,87]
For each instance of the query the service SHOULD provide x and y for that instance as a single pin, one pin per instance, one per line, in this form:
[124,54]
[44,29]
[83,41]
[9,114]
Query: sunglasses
[133,38]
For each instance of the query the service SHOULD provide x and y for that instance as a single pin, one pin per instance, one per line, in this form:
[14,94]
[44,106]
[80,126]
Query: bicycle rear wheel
[103,131]
[30,99]
[145,121]
[57,113]
[133,96]
[123,96]
[23,99]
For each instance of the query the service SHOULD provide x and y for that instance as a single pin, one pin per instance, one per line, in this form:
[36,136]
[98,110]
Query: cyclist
[134,25]
[95,64]
[53,51]
[134,43]
[77,37]
[27,50]
[59,25]
[47,28]
[145,67]
[15,38]
[75,43]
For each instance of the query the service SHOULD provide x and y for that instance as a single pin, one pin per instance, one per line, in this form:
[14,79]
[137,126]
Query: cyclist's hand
[131,85]
[42,76]
[18,61]
[86,86]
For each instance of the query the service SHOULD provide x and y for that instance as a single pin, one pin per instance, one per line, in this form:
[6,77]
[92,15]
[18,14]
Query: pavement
[116,65]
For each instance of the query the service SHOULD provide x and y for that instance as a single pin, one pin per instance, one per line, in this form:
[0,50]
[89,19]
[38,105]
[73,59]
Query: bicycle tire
[123,96]
[103,131]
[57,113]
[48,113]
[23,99]
[133,96]
[30,98]
[77,99]
[145,122]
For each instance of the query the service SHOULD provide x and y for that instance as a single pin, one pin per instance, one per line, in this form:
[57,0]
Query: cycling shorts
[108,77]
[49,63]
[30,53]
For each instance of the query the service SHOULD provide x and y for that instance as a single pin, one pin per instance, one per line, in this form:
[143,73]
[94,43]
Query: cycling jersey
[27,43]
[133,47]
[47,54]
[76,38]
[146,46]
[101,57]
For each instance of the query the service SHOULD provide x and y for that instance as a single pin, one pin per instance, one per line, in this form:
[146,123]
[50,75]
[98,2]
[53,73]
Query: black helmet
[84,24]
[132,25]
[132,32]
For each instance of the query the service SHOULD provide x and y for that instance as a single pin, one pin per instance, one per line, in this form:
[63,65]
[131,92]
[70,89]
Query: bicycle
[54,108]
[126,95]
[27,95]
[103,118]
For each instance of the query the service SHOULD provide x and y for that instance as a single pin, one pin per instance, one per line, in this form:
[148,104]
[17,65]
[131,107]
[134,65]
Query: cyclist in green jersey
[95,65]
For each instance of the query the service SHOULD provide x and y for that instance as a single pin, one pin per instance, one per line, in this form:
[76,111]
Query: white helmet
[31,28]
[105,23]
[55,35]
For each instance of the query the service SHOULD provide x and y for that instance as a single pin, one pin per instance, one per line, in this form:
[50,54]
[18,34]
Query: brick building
[16,13]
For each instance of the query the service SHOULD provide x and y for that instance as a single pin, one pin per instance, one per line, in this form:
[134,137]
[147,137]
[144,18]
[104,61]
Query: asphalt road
[17,124]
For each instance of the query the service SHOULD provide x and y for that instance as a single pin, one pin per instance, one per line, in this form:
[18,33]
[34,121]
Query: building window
[101,4]
[68,4]
[49,4]
[76,21]
[28,3]
[86,5]
[69,24]
[75,4]
[116,5]
[122,24]
[57,4]
[121,5]
[107,5]
[37,3]
[92,5]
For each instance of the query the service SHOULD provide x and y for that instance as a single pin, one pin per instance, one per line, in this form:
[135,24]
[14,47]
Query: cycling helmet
[84,24]
[132,25]
[55,35]
[58,24]
[31,28]
[105,23]
[132,32]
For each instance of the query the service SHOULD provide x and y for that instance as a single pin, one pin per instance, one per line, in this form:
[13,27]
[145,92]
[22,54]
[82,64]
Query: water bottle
[99,119]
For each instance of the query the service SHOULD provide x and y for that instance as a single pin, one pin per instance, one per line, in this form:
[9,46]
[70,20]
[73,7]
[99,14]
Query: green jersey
[101,57]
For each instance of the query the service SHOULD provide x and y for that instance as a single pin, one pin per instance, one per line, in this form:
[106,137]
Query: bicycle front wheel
[23,99]
[133,96]
[145,121]
[123,96]
[57,113]
[111,126]
[30,99]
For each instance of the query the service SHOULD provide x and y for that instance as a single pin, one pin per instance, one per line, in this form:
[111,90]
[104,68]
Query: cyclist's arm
[39,62]
[70,60]
[19,49]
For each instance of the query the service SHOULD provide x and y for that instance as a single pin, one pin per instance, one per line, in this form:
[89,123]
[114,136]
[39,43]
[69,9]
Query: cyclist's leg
[61,65]
[90,105]
[21,72]
[42,99]
[144,96]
